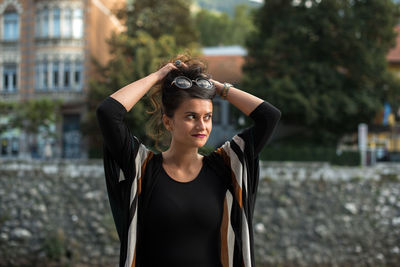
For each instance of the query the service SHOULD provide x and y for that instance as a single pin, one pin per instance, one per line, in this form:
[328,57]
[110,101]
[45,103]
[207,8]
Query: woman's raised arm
[265,115]
[130,94]
[244,101]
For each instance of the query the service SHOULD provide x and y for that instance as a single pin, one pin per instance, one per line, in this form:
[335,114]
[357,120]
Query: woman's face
[192,122]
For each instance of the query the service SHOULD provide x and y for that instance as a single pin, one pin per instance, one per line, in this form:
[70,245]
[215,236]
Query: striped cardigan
[129,195]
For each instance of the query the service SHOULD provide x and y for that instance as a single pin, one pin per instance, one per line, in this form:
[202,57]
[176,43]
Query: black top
[190,214]
[182,222]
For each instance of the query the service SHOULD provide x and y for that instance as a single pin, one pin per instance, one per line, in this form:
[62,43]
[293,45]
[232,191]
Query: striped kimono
[237,159]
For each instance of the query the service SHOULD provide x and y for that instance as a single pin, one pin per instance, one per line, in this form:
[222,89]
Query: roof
[225,62]
[394,54]
[233,50]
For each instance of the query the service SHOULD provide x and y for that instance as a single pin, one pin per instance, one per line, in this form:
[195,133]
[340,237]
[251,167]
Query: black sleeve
[266,118]
[116,135]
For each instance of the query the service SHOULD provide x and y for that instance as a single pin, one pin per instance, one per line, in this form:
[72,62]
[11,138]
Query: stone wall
[307,214]
[321,215]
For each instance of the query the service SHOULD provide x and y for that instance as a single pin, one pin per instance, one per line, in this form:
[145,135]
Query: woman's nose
[201,124]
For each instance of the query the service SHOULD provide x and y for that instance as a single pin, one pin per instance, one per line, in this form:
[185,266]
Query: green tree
[242,24]
[159,17]
[323,63]
[8,109]
[36,115]
[213,27]
[31,116]
[226,6]
[217,28]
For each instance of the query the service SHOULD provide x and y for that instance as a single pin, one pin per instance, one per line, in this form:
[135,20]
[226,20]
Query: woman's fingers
[218,85]
[165,70]
[169,67]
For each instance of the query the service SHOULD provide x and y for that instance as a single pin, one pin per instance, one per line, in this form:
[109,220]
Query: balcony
[59,41]
[9,45]
[9,96]
[66,95]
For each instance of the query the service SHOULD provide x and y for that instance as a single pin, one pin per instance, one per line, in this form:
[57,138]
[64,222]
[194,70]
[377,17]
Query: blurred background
[329,194]
[327,65]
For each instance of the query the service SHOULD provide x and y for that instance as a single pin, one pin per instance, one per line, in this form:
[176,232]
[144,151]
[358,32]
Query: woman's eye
[190,116]
[208,117]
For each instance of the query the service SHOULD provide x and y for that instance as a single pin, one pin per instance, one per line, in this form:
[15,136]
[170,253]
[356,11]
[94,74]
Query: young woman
[177,207]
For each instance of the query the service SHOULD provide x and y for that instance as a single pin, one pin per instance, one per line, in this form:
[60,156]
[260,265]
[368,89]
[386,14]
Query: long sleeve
[118,140]
[240,154]
[121,151]
[266,118]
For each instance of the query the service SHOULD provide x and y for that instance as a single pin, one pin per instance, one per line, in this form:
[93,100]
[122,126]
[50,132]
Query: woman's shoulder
[215,159]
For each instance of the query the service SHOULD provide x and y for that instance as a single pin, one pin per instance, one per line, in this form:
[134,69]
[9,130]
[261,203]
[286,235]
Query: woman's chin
[201,143]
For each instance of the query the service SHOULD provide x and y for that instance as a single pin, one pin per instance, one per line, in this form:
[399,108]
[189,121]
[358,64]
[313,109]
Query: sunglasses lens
[183,83]
[204,83]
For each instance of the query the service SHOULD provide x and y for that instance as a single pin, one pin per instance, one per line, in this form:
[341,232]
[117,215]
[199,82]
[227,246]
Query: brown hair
[166,98]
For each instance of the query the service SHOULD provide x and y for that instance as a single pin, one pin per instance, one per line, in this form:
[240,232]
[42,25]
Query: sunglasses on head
[183,82]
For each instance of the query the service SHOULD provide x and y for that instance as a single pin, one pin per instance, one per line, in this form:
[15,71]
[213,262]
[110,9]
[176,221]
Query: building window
[4,146]
[66,74]
[14,146]
[71,136]
[77,25]
[55,75]
[37,24]
[37,76]
[45,23]
[10,78]
[45,75]
[67,23]
[56,22]
[10,26]
[78,75]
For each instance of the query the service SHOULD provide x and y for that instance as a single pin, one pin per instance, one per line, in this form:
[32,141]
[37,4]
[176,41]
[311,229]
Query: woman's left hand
[218,86]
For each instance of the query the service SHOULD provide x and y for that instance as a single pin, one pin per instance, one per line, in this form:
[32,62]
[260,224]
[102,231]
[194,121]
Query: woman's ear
[167,122]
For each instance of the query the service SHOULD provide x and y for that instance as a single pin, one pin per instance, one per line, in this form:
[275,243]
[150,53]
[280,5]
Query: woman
[177,207]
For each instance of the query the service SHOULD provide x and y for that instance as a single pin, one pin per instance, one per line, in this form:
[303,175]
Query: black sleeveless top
[190,214]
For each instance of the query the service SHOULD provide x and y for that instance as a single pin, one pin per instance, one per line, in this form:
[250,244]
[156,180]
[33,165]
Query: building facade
[46,50]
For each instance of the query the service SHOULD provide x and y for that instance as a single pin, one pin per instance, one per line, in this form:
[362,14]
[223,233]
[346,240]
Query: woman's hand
[161,73]
[218,86]
[130,94]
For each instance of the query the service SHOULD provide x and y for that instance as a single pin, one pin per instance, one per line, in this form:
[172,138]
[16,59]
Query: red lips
[199,135]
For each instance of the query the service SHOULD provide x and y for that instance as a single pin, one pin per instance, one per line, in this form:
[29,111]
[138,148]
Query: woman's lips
[199,135]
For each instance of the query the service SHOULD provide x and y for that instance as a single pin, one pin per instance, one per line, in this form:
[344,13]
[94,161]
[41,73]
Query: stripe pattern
[234,218]
[233,154]
[143,156]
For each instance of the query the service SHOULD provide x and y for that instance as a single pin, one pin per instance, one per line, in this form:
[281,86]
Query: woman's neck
[181,157]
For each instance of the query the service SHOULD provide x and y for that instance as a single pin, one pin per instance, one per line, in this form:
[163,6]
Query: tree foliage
[323,63]
[220,29]
[159,17]
[8,109]
[35,114]
[32,115]
[225,6]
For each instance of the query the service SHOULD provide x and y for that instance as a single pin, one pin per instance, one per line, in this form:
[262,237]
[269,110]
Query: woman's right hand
[163,71]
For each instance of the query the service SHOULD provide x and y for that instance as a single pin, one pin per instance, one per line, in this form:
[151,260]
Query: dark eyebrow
[191,112]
